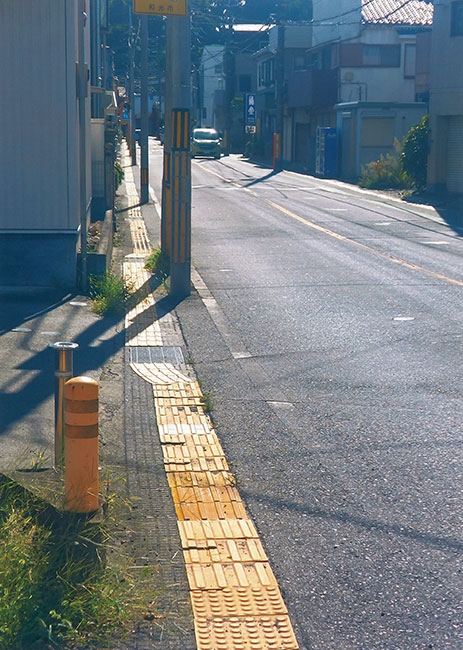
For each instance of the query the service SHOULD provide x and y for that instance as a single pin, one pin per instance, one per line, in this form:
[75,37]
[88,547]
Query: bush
[109,293]
[414,157]
[385,173]
[254,147]
[158,264]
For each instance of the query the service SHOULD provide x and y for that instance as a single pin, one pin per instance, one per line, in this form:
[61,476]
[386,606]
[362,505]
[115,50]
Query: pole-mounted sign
[160,7]
[250,108]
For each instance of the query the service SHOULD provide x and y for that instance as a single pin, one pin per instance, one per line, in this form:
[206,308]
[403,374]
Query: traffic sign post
[160,7]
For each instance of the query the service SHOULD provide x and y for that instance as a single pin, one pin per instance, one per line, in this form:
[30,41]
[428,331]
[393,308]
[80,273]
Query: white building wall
[211,80]
[38,115]
[334,20]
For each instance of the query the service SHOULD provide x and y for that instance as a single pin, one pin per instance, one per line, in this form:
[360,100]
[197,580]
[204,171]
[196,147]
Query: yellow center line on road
[338,236]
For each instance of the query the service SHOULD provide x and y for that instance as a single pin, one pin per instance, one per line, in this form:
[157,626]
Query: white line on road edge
[238,351]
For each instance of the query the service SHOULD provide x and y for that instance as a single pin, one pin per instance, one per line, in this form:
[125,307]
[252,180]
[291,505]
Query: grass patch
[109,293]
[55,587]
[158,264]
[207,401]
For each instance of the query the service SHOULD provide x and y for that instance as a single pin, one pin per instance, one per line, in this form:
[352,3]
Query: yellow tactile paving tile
[238,602]
[217,575]
[198,532]
[174,437]
[200,479]
[158,373]
[225,551]
[210,510]
[196,465]
[139,235]
[182,415]
[248,633]
[180,429]
[137,277]
[179,391]
[208,494]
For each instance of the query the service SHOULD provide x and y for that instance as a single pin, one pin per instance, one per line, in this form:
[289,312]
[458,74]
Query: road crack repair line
[235,597]
[339,237]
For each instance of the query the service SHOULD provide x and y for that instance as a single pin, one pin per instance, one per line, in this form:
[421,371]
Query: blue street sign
[250,108]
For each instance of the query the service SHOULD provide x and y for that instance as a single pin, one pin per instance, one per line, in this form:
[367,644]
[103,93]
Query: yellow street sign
[160,7]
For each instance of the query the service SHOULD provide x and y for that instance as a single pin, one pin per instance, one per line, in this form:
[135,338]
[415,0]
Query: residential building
[40,203]
[297,39]
[212,87]
[364,53]
[445,164]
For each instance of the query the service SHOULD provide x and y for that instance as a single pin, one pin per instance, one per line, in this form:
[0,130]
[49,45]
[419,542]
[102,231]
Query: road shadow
[448,207]
[444,543]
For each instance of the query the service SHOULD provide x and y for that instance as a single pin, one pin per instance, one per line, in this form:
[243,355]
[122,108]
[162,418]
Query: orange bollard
[81,445]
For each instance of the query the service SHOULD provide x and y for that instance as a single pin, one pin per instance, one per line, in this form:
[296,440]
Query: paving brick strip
[234,594]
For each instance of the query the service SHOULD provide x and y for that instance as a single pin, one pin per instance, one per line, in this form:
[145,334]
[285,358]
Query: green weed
[118,173]
[55,587]
[385,173]
[158,264]
[109,293]
[207,401]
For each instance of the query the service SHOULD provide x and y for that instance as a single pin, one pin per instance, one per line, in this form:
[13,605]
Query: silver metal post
[64,352]
[82,93]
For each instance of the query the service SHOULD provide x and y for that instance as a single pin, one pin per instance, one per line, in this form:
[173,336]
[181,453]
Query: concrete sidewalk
[130,450]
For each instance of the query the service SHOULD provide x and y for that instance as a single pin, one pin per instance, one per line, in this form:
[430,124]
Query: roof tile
[398,12]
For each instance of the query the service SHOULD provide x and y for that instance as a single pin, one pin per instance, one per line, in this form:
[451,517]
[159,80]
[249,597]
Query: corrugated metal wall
[38,115]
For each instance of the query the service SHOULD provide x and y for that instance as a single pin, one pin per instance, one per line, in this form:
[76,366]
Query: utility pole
[83,91]
[280,86]
[144,173]
[132,44]
[228,64]
[179,35]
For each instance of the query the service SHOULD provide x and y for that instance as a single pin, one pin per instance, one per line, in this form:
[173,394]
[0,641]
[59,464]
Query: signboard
[250,128]
[250,109]
[160,7]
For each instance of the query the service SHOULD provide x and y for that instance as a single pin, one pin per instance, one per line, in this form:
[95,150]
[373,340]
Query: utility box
[326,151]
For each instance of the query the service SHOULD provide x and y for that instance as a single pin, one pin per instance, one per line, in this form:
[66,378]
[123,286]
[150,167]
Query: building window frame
[409,51]
[456,19]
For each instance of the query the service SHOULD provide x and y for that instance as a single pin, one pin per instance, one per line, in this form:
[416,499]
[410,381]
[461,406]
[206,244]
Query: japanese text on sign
[160,7]
[250,108]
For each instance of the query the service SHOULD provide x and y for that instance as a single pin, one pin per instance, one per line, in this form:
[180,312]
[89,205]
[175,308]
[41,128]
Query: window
[244,83]
[409,61]
[220,84]
[456,20]
[218,68]
[266,77]
[299,62]
[385,56]
[354,55]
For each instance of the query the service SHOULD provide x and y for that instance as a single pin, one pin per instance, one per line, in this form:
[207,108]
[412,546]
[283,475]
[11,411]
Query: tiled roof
[398,12]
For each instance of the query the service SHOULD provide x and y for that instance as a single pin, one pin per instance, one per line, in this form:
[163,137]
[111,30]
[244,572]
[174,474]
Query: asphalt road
[329,330]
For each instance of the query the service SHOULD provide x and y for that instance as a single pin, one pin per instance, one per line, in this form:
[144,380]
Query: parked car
[206,142]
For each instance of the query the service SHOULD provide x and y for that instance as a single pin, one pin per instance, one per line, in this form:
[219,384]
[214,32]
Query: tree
[414,157]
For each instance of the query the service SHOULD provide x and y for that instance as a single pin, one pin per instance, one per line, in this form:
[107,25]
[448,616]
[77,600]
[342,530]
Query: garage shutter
[455,155]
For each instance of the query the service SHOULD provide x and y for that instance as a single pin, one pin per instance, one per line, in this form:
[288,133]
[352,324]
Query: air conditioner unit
[348,76]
